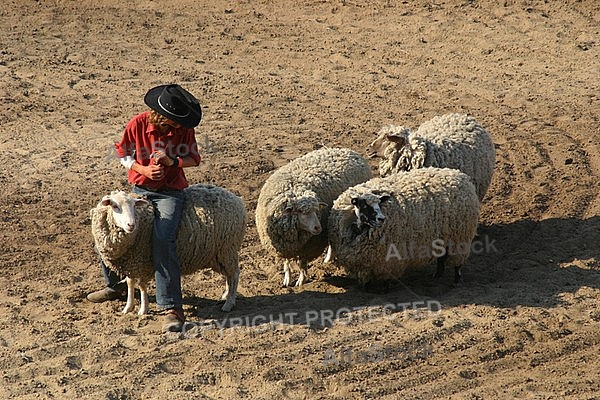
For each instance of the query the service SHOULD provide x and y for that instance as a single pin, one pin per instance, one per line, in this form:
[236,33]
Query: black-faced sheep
[294,203]
[380,228]
[210,236]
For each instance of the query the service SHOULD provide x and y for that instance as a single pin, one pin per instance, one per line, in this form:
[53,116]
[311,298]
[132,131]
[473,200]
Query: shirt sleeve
[190,139]
[126,146]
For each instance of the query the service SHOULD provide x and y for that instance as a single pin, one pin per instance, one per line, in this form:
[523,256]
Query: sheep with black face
[429,211]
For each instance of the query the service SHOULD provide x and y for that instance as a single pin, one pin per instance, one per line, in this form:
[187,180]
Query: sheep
[210,235]
[294,203]
[448,141]
[379,229]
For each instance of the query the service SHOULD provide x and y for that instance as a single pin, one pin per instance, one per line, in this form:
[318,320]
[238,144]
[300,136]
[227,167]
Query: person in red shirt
[155,148]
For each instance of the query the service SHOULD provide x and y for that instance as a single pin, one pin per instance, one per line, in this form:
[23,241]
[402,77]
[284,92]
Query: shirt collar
[153,129]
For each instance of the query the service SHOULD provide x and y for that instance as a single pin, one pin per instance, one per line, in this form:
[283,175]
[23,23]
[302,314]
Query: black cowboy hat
[175,103]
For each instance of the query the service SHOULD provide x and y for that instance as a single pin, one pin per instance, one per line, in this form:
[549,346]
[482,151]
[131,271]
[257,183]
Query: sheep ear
[288,210]
[357,201]
[384,197]
[137,199]
[398,139]
[140,201]
[105,200]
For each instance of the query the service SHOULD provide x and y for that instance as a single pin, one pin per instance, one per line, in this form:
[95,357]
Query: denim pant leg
[111,278]
[168,208]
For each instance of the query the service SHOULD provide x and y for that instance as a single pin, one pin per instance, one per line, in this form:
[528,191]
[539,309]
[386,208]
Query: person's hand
[160,157]
[154,171]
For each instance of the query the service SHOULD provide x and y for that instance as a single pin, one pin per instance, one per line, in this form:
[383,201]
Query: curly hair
[156,118]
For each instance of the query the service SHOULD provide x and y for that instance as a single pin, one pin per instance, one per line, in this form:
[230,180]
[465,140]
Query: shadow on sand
[530,264]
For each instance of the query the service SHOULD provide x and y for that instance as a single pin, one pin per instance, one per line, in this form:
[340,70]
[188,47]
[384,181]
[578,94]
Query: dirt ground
[277,79]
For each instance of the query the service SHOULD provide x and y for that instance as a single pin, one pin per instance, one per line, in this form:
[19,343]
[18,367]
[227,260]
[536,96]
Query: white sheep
[448,141]
[380,228]
[210,235]
[294,203]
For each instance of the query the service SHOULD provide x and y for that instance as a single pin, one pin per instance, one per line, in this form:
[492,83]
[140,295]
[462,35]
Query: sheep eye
[115,207]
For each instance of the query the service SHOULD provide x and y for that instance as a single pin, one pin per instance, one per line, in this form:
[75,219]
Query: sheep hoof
[128,309]
[228,306]
[300,280]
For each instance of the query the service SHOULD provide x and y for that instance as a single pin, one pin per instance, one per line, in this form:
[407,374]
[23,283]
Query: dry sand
[278,79]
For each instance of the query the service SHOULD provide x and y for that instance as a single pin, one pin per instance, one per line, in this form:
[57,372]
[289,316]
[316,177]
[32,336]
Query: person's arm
[192,159]
[189,161]
[153,171]
[126,148]
[185,162]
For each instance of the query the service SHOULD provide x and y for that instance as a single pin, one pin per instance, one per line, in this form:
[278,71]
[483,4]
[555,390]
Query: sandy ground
[278,79]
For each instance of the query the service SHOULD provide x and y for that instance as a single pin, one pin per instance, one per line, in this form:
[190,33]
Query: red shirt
[141,138]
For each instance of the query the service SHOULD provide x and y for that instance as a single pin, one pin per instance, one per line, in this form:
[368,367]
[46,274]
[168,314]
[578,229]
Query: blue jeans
[168,208]
[111,278]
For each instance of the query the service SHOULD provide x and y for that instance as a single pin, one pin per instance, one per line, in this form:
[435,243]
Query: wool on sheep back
[448,141]
[210,235]
[428,210]
[317,177]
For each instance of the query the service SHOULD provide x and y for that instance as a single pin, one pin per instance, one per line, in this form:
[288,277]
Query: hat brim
[191,120]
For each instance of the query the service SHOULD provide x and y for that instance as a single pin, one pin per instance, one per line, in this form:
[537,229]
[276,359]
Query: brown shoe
[106,294]
[174,320]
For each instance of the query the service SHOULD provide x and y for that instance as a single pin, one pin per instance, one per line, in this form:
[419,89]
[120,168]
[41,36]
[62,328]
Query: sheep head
[114,223]
[398,151]
[122,206]
[306,208]
[367,209]
[390,138]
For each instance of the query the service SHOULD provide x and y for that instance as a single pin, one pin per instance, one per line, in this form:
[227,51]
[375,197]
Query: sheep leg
[303,273]
[329,255]
[130,305]
[226,291]
[231,284]
[286,272]
[144,301]
[441,266]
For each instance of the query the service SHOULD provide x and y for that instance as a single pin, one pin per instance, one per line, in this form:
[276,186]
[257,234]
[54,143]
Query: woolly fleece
[210,235]
[426,204]
[448,141]
[319,176]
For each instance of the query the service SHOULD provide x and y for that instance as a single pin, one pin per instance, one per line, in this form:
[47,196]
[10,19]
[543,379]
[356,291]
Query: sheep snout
[368,213]
[309,223]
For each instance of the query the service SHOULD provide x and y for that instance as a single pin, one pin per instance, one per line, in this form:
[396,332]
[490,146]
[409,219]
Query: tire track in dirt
[562,173]
[545,174]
